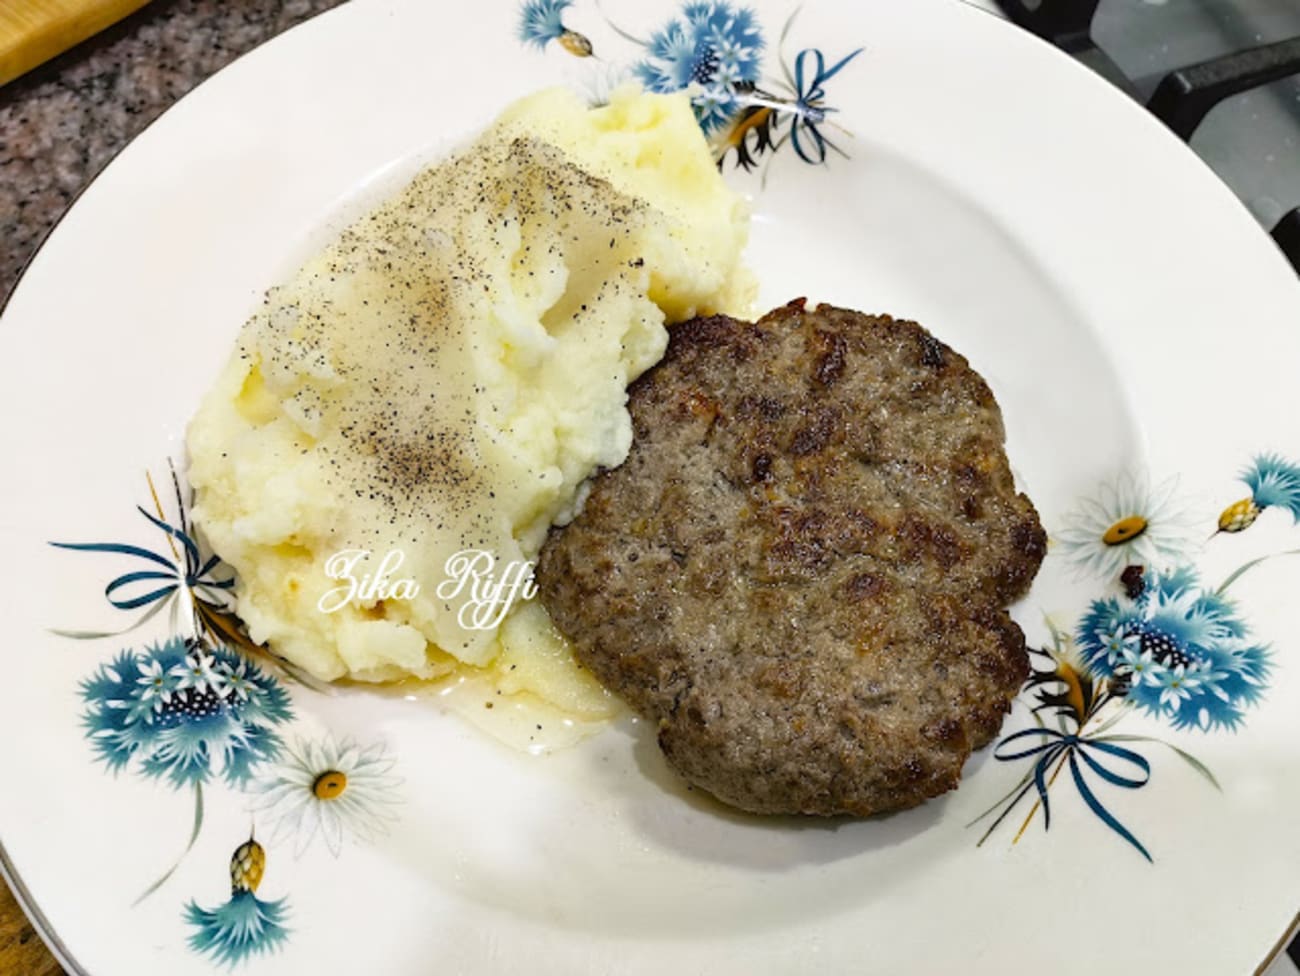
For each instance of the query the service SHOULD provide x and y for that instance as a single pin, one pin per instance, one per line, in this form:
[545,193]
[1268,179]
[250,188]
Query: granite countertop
[59,126]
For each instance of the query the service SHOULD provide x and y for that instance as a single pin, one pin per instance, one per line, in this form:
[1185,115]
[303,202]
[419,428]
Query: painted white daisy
[1128,523]
[331,789]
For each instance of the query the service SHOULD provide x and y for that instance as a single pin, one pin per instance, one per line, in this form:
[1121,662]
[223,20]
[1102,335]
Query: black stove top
[1224,75]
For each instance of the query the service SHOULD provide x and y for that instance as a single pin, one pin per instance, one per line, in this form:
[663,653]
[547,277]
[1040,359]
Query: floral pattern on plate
[330,789]
[245,925]
[1129,522]
[202,706]
[1162,644]
[184,711]
[715,49]
[1273,482]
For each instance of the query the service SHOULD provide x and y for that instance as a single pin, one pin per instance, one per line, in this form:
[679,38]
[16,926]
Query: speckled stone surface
[61,124]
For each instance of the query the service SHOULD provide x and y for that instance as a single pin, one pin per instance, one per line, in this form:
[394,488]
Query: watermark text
[472,577]
[379,585]
[473,571]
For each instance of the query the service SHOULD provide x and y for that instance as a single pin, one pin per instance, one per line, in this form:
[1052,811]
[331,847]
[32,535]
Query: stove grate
[1184,96]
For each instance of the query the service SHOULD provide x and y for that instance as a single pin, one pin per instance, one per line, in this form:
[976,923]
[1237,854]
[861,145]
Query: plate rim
[40,923]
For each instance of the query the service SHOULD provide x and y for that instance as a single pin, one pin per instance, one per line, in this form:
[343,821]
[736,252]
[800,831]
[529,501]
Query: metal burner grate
[1185,94]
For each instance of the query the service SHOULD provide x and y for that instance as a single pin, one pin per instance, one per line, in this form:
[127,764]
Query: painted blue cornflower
[713,45]
[245,925]
[184,712]
[542,21]
[1177,651]
[1274,481]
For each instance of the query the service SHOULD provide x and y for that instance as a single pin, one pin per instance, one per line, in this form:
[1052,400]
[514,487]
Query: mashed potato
[446,374]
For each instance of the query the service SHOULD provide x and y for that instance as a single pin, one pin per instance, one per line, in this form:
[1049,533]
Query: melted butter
[521,720]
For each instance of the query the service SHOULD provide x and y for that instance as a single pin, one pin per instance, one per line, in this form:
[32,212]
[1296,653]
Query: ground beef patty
[801,570]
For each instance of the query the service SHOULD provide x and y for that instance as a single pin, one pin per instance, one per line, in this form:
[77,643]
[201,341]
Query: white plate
[1134,322]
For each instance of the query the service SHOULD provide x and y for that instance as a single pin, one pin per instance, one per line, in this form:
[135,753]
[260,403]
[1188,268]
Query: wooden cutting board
[33,31]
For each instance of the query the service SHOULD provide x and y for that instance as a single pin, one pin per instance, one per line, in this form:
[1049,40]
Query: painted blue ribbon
[815,91]
[193,574]
[1072,745]
[808,114]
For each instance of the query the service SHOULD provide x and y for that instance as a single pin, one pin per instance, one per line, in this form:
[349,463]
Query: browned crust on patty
[800,572]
